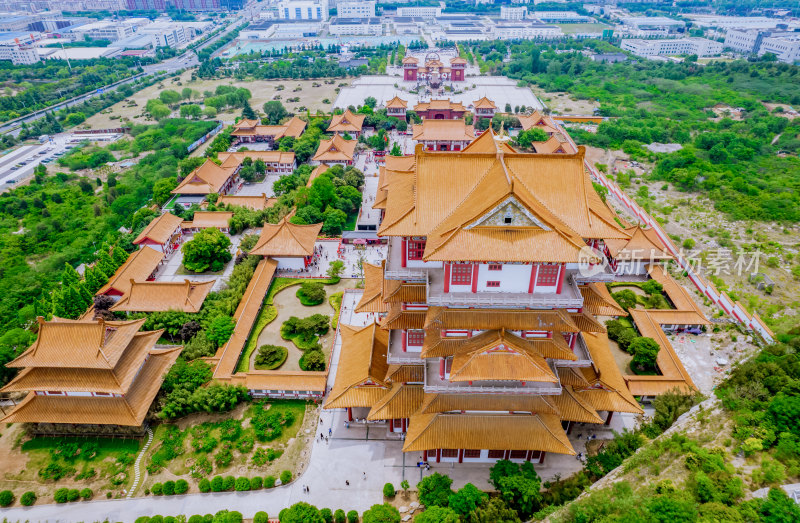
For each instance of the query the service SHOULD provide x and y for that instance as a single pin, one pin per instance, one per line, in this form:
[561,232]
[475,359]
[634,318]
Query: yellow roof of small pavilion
[347,122]
[487,431]
[489,142]
[286,239]
[337,149]
[286,380]
[442,130]
[484,103]
[293,127]
[139,266]
[440,105]
[151,296]
[533,403]
[397,291]
[401,401]
[234,159]
[361,373]
[209,178]
[396,103]
[160,229]
[556,144]
[537,119]
[512,319]
[435,346]
[208,219]
[644,244]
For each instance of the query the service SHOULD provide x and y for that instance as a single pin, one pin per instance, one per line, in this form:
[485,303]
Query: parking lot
[18,164]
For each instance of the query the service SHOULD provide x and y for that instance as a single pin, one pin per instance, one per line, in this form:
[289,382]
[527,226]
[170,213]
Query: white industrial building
[526,31]
[355,26]
[513,13]
[420,11]
[783,44]
[356,9]
[653,24]
[672,46]
[562,17]
[303,10]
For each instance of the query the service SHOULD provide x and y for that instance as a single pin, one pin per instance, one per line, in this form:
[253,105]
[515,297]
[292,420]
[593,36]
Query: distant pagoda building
[488,346]
[89,377]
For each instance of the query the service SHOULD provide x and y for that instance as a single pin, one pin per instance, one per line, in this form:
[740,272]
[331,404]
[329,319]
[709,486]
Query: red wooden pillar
[534,274]
[569,428]
[425,455]
[403,424]
[562,274]
[461,455]
[528,455]
[441,368]
[608,419]
[438,455]
[405,340]
[475,269]
[349,414]
[391,425]
[446,277]
[405,252]
[541,457]
[506,454]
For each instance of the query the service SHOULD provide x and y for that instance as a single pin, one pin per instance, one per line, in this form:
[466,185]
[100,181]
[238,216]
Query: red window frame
[461,274]
[449,453]
[548,275]
[497,454]
[415,249]
[495,266]
[518,454]
[472,453]
[415,337]
[492,283]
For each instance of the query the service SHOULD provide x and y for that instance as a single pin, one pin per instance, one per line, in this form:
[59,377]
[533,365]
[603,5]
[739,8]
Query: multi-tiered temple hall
[488,344]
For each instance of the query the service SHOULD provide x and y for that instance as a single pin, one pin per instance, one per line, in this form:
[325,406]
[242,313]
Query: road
[170,66]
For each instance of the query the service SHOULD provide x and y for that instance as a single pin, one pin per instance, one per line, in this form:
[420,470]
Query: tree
[434,490]
[220,329]
[438,515]
[495,511]
[300,513]
[193,111]
[466,499]
[248,113]
[779,508]
[395,151]
[208,250]
[335,269]
[519,486]
[6,498]
[275,111]
[525,139]
[162,190]
[645,351]
[169,97]
[28,499]
[334,221]
[312,360]
[389,491]
[370,102]
[311,293]
[157,109]
[626,299]
[384,513]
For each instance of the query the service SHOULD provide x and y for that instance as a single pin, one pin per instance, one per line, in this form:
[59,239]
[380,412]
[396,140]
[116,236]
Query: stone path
[138,463]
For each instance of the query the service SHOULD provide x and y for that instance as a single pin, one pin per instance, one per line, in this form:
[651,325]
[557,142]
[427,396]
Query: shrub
[6,498]
[339,516]
[28,499]
[261,517]
[157,489]
[181,486]
[326,514]
[87,493]
[388,490]
[384,513]
[217,484]
[312,360]
[242,484]
[286,477]
[204,485]
[311,293]
[255,483]
[270,357]
[228,483]
[169,488]
[269,482]
[73,494]
[434,490]
[60,495]
[352,517]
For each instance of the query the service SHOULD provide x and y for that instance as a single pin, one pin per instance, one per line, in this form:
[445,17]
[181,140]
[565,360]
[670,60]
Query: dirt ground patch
[563,103]
[312,94]
[788,111]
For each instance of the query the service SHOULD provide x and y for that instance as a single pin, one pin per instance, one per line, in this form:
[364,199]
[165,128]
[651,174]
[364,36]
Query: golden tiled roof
[151,296]
[208,219]
[371,298]
[410,60]
[644,244]
[511,319]
[572,376]
[287,239]
[401,401]
[533,403]
[586,322]
[294,127]
[160,229]
[361,373]
[484,103]
[440,105]
[598,301]
[572,407]
[678,295]
[257,203]
[129,410]
[116,379]
[394,166]
[319,169]
[209,178]
[489,142]
[396,103]
[538,120]
[487,431]
[501,360]
[337,149]
[405,373]
[139,266]
[442,130]
[234,159]
[434,346]
[286,380]
[607,390]
[557,143]
[245,316]
[396,291]
[396,318]
[347,122]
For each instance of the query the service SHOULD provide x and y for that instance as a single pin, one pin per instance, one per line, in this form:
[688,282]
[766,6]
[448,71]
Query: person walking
[330,432]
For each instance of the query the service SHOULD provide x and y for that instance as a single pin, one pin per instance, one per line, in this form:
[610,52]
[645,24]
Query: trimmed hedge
[6,498]
[286,477]
[204,485]
[28,499]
